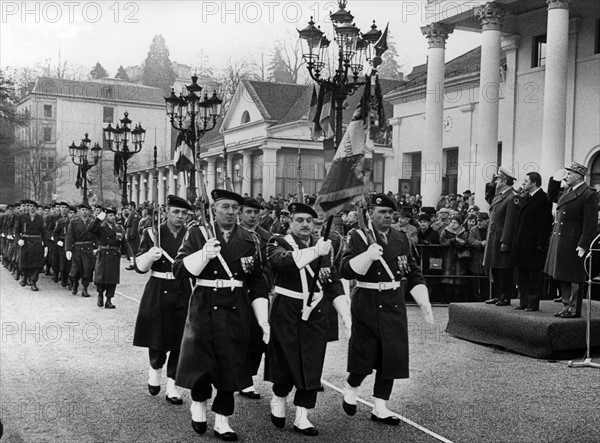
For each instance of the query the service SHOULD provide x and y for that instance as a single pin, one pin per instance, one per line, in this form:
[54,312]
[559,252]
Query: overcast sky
[120,33]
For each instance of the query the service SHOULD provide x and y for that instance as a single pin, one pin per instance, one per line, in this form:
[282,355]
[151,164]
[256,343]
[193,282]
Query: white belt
[381,286]
[292,294]
[220,283]
[163,275]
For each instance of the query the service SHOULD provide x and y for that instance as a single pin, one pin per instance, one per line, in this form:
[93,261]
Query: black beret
[423,216]
[222,194]
[383,200]
[178,202]
[251,202]
[46,207]
[72,208]
[84,205]
[64,204]
[111,210]
[301,208]
[32,202]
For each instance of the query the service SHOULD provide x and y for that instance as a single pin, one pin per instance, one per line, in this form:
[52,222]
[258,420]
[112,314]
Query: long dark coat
[477,249]
[296,352]
[164,304]
[32,252]
[110,240]
[452,264]
[534,223]
[132,230]
[575,225]
[503,221]
[215,338]
[60,234]
[83,260]
[379,337]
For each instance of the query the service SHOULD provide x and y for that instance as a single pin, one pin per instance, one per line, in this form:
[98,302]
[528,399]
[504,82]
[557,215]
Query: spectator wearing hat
[428,241]
[455,258]
[477,241]
[443,220]
[379,339]
[534,224]
[110,240]
[163,307]
[31,236]
[215,339]
[282,225]
[573,231]
[503,222]
[403,224]
[80,243]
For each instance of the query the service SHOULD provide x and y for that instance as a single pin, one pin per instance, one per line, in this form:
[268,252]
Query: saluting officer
[111,240]
[384,270]
[163,307]
[504,211]
[249,217]
[59,234]
[215,339]
[31,236]
[79,248]
[296,353]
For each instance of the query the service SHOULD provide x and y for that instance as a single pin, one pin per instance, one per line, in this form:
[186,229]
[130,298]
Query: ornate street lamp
[193,117]
[125,143]
[79,156]
[352,48]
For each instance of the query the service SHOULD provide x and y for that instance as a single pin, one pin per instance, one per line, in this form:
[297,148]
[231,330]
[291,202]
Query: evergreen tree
[98,71]
[122,74]
[286,61]
[158,70]
[390,68]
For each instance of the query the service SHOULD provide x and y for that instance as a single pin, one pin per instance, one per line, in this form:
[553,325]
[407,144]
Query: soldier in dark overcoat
[249,218]
[530,243]
[215,339]
[60,234]
[58,211]
[296,353]
[79,248]
[111,240]
[31,236]
[163,307]
[384,270]
[574,228]
[132,230]
[503,221]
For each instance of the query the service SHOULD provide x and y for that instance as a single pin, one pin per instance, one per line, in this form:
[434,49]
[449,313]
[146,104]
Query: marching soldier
[131,230]
[31,236]
[504,211]
[249,217]
[215,339]
[79,248]
[296,353]
[53,254]
[59,234]
[21,208]
[163,307]
[110,239]
[384,270]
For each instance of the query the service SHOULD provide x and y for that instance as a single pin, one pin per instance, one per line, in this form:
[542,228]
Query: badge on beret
[293,208]
[378,201]
[517,201]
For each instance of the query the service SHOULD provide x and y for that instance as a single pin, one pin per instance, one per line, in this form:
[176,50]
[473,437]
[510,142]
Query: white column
[491,16]
[172,181]
[230,168]
[162,198]
[555,87]
[143,187]
[211,173]
[150,178]
[246,171]
[269,167]
[182,186]
[574,28]
[431,157]
[509,45]
[135,179]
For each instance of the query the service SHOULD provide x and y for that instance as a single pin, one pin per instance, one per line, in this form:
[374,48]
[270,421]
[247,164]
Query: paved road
[69,373]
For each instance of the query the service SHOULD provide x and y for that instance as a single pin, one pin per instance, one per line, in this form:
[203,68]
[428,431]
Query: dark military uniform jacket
[82,242]
[296,351]
[379,323]
[33,233]
[215,338]
[504,210]
[164,304]
[110,240]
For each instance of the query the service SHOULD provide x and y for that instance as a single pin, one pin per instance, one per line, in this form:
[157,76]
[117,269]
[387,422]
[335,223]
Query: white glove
[69,255]
[45,251]
[421,296]
[342,307]
[144,261]
[261,312]
[580,251]
[197,261]
[559,175]
[323,247]
[21,242]
[101,216]
[2,235]
[60,243]
[52,238]
[362,262]
[303,257]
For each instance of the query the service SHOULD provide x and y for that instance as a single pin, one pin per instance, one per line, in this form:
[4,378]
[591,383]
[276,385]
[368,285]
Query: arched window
[245,117]
[595,171]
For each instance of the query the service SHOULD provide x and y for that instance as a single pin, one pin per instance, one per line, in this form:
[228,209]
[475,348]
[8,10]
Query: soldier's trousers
[223,403]
[305,398]
[31,274]
[158,359]
[108,290]
[382,388]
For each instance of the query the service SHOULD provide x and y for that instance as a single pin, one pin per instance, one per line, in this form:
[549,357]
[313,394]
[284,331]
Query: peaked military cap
[301,208]
[178,202]
[577,168]
[222,194]
[504,172]
[384,201]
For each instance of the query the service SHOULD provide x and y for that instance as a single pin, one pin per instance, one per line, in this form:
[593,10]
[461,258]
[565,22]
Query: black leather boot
[100,299]
[108,304]
[84,292]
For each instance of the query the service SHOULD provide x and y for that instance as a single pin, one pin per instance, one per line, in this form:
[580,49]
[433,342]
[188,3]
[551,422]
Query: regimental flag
[313,117]
[319,113]
[183,160]
[118,168]
[381,45]
[325,116]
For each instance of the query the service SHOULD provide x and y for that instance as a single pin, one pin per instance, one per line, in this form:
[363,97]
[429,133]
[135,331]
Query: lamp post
[125,143]
[79,156]
[351,49]
[193,117]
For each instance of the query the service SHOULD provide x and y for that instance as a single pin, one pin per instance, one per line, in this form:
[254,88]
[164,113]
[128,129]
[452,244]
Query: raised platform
[535,334]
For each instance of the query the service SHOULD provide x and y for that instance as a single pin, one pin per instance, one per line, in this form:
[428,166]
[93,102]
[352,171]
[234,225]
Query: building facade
[529,100]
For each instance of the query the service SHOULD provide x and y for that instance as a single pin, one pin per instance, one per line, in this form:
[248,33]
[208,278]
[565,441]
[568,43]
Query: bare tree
[286,61]
[230,77]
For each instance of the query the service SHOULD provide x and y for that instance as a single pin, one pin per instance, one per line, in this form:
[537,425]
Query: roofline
[86,99]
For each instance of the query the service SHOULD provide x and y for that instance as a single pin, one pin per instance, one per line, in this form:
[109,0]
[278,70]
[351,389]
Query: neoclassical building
[528,98]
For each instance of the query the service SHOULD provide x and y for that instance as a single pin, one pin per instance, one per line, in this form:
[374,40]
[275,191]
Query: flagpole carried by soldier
[31,236]
[79,249]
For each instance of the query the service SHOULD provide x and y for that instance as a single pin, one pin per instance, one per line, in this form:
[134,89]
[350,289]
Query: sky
[120,32]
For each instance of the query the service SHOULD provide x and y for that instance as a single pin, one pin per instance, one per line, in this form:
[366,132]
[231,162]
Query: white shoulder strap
[219,256]
[307,268]
[383,262]
[165,253]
